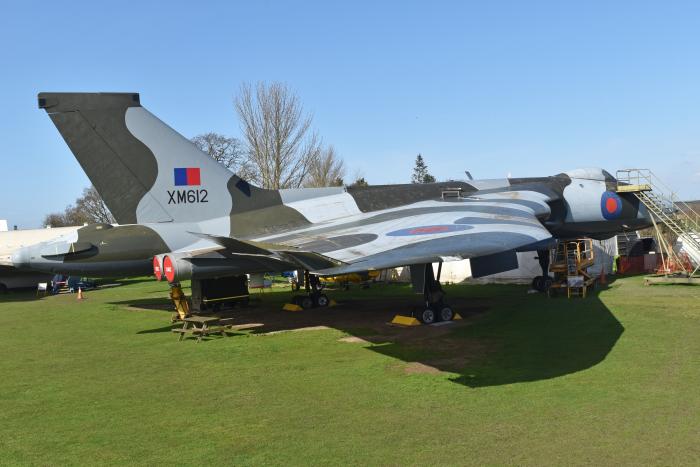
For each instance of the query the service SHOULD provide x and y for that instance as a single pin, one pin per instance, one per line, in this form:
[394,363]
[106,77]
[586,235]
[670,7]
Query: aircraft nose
[20,258]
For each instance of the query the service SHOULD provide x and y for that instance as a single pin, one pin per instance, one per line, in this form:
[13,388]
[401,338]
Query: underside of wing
[490,227]
[430,232]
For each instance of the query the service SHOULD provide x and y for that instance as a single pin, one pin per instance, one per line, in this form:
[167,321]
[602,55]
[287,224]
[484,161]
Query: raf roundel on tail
[610,205]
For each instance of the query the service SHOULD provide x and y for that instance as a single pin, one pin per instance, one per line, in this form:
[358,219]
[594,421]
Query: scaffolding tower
[665,208]
[569,265]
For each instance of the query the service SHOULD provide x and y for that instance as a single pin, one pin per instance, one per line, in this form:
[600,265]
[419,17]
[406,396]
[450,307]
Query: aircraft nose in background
[20,258]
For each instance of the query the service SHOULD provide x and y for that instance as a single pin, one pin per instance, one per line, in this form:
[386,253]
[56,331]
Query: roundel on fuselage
[610,205]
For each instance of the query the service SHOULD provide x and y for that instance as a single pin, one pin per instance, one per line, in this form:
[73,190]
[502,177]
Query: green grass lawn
[612,379]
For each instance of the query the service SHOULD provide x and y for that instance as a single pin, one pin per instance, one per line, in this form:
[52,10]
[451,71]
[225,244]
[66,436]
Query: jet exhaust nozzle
[158,267]
[176,267]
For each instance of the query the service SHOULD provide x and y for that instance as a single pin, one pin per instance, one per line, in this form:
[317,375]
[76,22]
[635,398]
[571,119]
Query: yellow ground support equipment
[353,278]
[569,264]
[291,307]
[411,321]
[405,320]
[182,306]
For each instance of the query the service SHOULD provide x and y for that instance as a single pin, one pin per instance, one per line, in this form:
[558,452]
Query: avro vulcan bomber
[184,216]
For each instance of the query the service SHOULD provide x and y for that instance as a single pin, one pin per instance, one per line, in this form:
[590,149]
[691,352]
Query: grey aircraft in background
[184,216]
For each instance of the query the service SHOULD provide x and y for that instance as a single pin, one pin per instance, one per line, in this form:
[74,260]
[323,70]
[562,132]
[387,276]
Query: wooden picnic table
[202,326]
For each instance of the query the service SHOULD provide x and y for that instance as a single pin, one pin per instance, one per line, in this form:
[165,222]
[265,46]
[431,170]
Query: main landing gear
[544,282]
[435,308]
[313,297]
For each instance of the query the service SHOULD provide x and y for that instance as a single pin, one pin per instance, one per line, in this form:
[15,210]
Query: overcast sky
[526,88]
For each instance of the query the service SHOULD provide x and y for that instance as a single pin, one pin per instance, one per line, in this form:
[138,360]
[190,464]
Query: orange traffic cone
[80,293]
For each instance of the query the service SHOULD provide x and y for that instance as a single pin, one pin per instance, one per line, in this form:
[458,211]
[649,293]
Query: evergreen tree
[360,181]
[420,172]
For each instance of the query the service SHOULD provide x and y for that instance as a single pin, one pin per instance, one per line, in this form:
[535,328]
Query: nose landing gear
[544,282]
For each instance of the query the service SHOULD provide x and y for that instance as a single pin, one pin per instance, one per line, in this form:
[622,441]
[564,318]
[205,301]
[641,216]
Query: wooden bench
[203,326]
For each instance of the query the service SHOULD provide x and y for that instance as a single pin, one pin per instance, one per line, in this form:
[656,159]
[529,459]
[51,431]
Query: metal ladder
[664,206]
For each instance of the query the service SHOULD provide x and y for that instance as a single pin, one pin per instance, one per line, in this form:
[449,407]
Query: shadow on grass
[156,330]
[507,336]
[19,295]
[531,343]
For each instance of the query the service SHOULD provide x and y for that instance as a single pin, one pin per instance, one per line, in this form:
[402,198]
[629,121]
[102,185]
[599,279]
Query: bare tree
[55,219]
[70,217]
[89,208]
[92,206]
[280,143]
[227,151]
[326,170]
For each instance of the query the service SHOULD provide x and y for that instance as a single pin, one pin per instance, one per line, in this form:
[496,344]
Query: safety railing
[663,203]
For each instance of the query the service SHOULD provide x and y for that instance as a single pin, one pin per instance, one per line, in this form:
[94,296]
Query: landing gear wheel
[446,313]
[546,283]
[322,300]
[306,302]
[427,316]
[537,283]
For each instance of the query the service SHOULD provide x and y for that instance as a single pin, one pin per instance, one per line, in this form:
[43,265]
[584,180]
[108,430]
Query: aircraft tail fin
[144,170]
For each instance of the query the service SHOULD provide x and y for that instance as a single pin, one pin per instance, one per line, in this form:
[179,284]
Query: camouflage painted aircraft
[184,216]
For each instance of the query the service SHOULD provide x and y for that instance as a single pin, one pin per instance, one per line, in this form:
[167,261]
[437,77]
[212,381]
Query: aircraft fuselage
[584,203]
